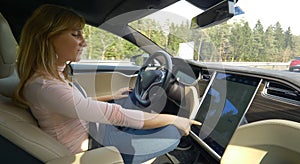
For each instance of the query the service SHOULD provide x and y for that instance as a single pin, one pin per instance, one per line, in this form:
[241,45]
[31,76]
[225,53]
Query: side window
[103,46]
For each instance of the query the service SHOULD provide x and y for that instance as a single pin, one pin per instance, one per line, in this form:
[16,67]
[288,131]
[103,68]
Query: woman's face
[68,46]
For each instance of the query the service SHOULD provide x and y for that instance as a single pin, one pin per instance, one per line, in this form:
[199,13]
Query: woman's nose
[83,43]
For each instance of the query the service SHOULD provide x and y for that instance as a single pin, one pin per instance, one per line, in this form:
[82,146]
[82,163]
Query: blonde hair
[36,51]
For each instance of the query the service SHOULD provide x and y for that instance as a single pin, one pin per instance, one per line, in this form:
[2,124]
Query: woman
[53,36]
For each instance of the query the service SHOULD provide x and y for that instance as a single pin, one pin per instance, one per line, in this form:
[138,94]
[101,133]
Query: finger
[184,132]
[123,96]
[194,122]
[187,132]
[124,90]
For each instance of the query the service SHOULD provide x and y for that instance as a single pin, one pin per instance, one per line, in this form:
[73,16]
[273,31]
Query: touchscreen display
[222,107]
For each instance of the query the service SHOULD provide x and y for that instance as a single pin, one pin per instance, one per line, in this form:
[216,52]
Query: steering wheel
[151,75]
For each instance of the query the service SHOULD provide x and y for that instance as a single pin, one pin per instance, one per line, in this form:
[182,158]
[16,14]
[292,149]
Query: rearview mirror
[214,15]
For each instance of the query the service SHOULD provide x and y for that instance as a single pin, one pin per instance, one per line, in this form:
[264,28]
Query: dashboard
[278,95]
[183,72]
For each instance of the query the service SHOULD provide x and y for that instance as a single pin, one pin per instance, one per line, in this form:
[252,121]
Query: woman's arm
[159,120]
[56,96]
[121,93]
[155,120]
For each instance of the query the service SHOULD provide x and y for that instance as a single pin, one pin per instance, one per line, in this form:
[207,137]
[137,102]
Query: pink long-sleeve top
[64,112]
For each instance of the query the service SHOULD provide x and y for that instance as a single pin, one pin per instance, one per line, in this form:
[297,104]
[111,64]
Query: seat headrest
[8,49]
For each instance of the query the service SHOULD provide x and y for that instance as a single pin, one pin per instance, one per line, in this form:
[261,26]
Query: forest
[228,42]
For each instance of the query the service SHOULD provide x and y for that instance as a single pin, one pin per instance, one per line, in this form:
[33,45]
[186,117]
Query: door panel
[104,83]
[104,80]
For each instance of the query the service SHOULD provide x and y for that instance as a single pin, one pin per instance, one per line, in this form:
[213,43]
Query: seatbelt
[74,81]
[77,85]
[92,126]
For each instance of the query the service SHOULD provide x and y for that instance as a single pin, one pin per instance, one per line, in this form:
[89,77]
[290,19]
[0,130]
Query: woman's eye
[76,35]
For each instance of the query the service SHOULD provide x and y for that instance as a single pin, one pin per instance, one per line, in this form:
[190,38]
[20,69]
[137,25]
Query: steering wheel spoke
[144,95]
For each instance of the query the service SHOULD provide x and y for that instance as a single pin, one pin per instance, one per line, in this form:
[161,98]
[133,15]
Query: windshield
[242,40]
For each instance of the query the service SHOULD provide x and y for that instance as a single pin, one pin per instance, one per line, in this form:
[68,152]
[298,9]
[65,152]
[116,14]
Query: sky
[287,12]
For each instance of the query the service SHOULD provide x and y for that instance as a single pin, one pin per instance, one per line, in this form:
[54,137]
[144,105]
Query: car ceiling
[95,11]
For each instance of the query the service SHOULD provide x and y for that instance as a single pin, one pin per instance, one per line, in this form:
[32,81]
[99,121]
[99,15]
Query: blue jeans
[138,145]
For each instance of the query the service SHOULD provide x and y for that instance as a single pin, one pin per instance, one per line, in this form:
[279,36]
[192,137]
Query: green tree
[269,44]
[258,41]
[296,40]
[247,43]
[279,41]
[235,40]
[178,34]
[219,38]
[101,41]
[288,39]
[87,31]
[289,46]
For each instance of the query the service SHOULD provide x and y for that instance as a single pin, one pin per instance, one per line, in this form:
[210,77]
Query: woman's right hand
[184,125]
[159,120]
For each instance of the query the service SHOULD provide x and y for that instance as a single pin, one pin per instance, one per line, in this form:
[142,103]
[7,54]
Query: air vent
[205,75]
[281,91]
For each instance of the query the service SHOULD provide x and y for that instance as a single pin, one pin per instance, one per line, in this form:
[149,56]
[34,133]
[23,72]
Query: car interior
[265,130]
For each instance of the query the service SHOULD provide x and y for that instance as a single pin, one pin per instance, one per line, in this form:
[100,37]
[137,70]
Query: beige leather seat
[21,139]
[264,142]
